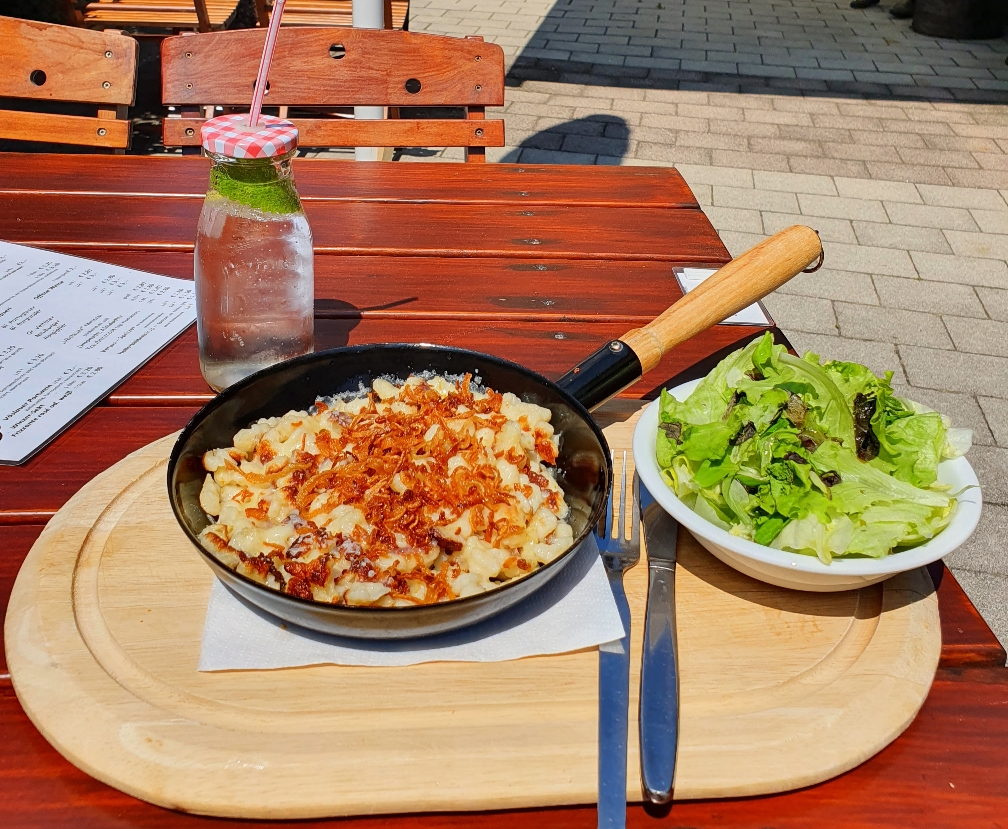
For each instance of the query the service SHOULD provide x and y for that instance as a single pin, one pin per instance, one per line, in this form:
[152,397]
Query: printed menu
[71,330]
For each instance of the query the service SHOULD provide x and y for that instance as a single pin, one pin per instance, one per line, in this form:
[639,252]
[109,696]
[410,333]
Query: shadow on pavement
[761,46]
[605,137]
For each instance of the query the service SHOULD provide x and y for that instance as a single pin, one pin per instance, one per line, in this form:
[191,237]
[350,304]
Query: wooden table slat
[551,348]
[590,290]
[967,640]
[15,542]
[382,228]
[32,492]
[526,184]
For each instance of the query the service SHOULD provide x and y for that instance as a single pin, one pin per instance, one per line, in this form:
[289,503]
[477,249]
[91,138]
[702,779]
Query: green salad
[816,458]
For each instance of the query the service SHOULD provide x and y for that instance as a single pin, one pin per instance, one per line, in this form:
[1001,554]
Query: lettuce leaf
[872,485]
[812,537]
[710,399]
[912,446]
[912,438]
[765,448]
[850,378]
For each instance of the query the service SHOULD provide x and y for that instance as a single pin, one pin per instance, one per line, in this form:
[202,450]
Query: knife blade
[659,694]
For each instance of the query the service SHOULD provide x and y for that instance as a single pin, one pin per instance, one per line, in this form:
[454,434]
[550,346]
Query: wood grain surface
[77,65]
[532,310]
[32,492]
[348,132]
[384,228]
[948,769]
[14,545]
[551,348]
[160,14]
[47,63]
[959,736]
[323,68]
[751,656]
[525,184]
[221,67]
[532,290]
[64,129]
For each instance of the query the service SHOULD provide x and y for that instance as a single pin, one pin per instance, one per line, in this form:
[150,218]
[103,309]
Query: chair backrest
[173,15]
[45,62]
[335,67]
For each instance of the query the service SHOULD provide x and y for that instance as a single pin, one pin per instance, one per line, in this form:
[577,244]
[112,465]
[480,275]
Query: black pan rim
[357,611]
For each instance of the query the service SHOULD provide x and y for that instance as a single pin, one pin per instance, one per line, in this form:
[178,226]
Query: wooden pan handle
[738,284]
[620,363]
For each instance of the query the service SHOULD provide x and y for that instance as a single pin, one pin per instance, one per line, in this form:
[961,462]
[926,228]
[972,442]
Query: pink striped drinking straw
[264,64]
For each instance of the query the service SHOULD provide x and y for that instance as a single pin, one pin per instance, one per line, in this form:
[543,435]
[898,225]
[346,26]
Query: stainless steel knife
[659,694]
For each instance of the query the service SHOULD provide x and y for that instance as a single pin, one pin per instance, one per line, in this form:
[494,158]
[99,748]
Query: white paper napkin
[574,610]
[689,278]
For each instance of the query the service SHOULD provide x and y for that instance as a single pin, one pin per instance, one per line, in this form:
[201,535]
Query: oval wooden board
[780,689]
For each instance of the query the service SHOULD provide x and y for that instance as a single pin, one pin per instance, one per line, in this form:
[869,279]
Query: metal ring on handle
[822,256]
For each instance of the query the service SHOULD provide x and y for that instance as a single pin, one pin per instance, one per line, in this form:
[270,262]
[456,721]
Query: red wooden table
[537,264]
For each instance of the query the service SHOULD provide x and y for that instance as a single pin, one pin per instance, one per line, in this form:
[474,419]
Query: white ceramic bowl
[793,570]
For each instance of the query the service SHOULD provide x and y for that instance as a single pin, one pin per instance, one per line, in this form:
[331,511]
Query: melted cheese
[413,493]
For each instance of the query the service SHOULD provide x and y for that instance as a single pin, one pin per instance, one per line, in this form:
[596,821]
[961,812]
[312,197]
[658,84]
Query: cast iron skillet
[583,467]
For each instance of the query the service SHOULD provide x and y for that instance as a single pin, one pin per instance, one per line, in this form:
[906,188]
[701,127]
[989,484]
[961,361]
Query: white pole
[368,14]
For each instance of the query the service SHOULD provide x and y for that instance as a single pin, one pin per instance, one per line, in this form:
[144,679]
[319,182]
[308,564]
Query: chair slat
[346,132]
[62,63]
[162,14]
[326,68]
[64,129]
[47,63]
[220,68]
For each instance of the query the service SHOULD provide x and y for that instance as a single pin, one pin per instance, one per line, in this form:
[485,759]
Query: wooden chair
[327,68]
[331,13]
[45,62]
[174,15]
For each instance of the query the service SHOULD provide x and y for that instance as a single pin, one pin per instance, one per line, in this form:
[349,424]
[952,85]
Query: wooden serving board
[780,689]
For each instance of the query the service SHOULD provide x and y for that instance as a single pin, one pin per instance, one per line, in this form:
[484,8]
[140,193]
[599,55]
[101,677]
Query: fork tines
[621,543]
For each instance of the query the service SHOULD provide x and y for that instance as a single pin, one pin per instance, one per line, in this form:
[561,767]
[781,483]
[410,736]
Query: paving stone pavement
[894,146]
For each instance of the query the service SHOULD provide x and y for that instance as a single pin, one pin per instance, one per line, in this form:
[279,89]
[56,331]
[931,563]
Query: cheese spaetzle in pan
[411,493]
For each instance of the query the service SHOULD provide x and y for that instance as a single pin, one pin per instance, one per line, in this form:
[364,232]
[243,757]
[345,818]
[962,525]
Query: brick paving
[894,146]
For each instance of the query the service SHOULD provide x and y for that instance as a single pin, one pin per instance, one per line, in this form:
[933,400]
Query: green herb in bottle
[256,184]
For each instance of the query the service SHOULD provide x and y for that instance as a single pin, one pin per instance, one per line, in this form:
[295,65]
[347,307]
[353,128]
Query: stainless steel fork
[618,554]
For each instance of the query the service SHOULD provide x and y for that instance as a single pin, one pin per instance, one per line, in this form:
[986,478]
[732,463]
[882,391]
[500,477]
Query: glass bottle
[253,264]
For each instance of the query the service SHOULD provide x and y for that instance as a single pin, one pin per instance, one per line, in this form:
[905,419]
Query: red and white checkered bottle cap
[231,136]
